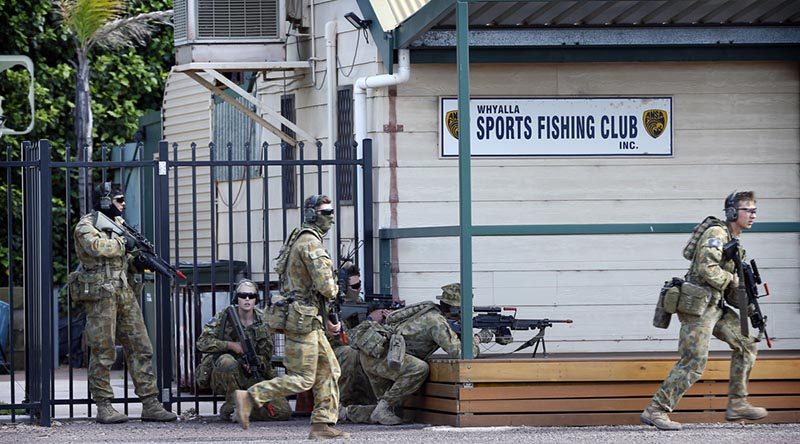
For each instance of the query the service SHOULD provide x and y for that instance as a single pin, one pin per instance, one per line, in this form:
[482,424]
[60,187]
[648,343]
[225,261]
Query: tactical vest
[408,313]
[282,260]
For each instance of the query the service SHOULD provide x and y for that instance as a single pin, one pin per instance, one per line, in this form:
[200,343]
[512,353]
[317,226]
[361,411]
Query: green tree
[99,24]
[125,84]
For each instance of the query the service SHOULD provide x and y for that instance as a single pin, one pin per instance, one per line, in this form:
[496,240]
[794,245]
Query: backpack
[699,229]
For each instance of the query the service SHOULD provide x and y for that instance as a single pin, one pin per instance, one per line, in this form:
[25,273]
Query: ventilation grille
[179,19]
[237,19]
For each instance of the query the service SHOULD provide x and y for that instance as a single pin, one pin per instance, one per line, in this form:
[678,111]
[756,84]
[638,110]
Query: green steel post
[464,178]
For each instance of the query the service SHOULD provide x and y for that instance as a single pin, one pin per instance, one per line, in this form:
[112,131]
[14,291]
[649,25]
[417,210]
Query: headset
[731,213]
[310,210]
[105,199]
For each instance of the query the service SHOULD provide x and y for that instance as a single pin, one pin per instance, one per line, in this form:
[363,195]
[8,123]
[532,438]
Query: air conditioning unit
[229,31]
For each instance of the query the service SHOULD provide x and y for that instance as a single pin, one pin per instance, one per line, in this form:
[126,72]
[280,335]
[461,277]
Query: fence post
[46,286]
[164,315]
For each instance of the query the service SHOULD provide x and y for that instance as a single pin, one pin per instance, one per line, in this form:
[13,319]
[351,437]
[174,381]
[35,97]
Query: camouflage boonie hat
[451,294]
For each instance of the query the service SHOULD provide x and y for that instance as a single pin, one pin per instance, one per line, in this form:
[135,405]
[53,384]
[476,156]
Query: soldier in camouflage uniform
[425,329]
[710,270]
[106,282]
[226,374]
[309,360]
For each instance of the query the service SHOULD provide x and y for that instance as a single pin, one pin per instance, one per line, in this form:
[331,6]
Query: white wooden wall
[735,127]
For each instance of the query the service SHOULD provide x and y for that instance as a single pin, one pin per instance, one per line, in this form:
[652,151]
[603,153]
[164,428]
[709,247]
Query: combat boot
[320,430]
[384,415]
[244,405]
[152,410]
[107,414]
[739,408]
[656,416]
[226,411]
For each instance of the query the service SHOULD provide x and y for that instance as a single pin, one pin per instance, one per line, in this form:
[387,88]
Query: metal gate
[208,211]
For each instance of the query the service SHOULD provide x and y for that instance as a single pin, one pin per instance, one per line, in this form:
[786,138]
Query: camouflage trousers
[354,387]
[310,364]
[391,385]
[695,336]
[227,376]
[118,318]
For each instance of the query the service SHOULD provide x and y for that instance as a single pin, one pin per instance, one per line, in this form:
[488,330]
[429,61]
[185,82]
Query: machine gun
[250,360]
[500,325]
[747,293]
[146,252]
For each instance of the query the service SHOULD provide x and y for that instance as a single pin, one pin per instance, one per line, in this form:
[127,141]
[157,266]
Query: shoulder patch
[714,243]
[318,253]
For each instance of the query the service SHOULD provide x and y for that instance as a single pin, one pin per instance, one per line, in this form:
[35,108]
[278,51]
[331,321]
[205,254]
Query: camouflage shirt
[218,331]
[309,270]
[101,252]
[708,266]
[426,332]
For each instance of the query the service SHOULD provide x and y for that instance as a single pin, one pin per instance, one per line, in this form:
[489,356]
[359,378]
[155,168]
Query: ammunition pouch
[277,311]
[693,299]
[372,338]
[300,318]
[732,298]
[397,351]
[667,302]
[89,287]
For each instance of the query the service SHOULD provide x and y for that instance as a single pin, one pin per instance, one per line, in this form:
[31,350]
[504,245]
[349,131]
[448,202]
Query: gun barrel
[487,309]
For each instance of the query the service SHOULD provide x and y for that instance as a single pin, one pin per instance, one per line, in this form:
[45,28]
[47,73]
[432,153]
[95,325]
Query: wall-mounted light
[358,23]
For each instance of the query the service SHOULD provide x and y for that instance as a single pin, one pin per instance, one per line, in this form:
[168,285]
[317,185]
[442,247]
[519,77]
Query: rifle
[501,325]
[146,251]
[250,359]
[747,292]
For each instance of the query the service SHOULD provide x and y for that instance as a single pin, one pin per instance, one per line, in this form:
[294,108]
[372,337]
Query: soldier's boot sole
[742,417]
[243,405]
[660,425]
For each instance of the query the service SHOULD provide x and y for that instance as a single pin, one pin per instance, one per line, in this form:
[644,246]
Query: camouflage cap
[451,294]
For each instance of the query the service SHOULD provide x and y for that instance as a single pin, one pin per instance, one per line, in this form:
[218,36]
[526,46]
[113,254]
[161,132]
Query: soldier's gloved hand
[734,281]
[751,309]
[130,243]
[484,336]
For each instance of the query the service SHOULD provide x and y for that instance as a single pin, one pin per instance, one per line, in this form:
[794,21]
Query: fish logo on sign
[451,121]
[655,122]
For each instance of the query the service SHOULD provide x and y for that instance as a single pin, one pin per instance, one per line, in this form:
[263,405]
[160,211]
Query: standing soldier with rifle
[711,282]
[238,349]
[106,285]
[305,271]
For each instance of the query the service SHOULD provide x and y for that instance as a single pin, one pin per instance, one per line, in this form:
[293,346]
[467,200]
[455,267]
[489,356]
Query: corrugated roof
[560,13]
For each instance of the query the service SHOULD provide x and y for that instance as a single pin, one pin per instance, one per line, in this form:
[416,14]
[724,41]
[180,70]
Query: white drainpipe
[333,85]
[360,119]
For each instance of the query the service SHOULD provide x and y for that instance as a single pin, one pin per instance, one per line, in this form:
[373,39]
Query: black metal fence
[215,230]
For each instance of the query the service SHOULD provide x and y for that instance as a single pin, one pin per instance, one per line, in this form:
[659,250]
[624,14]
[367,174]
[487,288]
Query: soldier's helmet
[451,294]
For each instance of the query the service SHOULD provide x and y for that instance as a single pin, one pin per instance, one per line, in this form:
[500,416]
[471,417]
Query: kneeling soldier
[222,368]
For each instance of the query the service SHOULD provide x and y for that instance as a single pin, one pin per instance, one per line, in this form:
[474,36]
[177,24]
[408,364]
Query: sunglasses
[356,286]
[120,199]
[247,295]
[328,212]
[749,210]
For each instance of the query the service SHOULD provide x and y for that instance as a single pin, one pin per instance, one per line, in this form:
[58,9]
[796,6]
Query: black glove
[130,243]
[139,264]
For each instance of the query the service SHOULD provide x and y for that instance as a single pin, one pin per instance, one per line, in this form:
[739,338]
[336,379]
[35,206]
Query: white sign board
[617,126]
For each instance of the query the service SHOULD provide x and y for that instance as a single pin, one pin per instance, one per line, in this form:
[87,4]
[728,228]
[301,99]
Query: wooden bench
[593,389]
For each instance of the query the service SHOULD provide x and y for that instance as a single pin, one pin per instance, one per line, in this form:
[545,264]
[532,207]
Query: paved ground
[213,430]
